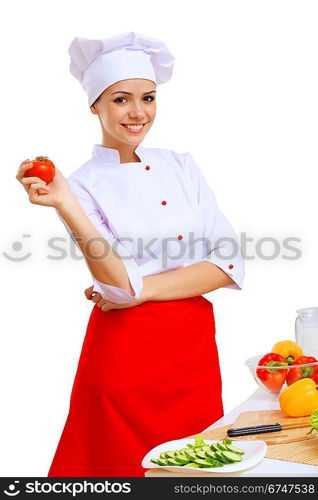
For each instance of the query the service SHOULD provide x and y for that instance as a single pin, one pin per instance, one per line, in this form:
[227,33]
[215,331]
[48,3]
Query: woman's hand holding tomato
[43,168]
[52,195]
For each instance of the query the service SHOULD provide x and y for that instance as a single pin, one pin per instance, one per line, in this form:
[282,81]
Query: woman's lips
[134,131]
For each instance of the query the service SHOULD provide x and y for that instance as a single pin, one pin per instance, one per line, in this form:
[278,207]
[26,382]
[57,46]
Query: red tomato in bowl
[43,168]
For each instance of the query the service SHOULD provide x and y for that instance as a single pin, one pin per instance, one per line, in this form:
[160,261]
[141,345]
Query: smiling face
[127,102]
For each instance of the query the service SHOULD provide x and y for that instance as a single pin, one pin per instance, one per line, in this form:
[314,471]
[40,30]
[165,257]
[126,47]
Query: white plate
[254,453]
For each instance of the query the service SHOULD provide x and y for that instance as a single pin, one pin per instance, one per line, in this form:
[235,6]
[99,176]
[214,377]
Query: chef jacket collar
[110,155]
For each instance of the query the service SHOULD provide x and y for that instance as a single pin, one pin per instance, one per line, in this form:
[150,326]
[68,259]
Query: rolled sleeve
[225,252]
[116,294]
[220,241]
[109,292]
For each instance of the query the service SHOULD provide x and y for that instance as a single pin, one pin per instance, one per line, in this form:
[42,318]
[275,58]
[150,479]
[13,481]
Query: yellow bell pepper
[300,398]
[288,349]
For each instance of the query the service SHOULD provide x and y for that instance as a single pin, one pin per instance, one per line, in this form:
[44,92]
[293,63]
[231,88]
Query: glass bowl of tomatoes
[273,373]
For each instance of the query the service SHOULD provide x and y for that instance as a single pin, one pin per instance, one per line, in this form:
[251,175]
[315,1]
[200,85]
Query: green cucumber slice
[214,447]
[181,460]
[233,449]
[219,456]
[184,451]
[221,447]
[192,456]
[214,462]
[162,461]
[203,463]
[233,457]
[172,461]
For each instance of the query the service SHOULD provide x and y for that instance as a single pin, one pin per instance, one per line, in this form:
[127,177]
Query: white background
[242,100]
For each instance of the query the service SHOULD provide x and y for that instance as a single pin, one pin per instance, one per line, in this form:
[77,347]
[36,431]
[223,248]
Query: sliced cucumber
[234,449]
[184,451]
[233,457]
[192,456]
[221,447]
[205,448]
[214,462]
[203,463]
[214,447]
[187,453]
[221,458]
[201,455]
[172,461]
[162,461]
[181,460]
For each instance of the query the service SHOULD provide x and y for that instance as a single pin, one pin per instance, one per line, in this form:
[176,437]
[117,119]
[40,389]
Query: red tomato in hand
[43,168]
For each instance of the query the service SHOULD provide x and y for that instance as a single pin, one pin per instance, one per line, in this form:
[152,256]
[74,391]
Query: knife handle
[244,431]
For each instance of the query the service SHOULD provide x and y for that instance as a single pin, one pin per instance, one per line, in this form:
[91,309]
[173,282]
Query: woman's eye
[146,97]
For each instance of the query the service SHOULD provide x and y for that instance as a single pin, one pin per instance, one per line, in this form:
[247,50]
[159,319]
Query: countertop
[259,400]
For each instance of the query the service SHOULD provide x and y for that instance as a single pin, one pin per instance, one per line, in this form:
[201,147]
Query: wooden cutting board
[252,418]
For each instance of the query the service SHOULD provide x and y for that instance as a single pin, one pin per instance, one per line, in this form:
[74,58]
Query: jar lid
[308,310]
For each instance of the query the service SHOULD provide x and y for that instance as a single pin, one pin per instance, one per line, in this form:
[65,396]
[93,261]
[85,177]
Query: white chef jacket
[159,214]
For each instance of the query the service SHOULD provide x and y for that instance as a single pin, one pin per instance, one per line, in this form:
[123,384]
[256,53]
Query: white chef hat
[97,64]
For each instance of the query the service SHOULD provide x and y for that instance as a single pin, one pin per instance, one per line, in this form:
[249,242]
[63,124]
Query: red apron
[146,375]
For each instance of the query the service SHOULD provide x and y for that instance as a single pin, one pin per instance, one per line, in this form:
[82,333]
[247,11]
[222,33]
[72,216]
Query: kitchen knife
[259,429]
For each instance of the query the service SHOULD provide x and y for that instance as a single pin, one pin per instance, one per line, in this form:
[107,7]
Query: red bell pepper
[295,374]
[271,375]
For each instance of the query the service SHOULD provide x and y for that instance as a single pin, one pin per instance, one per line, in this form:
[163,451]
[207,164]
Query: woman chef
[154,240]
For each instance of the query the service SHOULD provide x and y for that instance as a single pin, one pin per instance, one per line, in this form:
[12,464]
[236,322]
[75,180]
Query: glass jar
[306,330]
